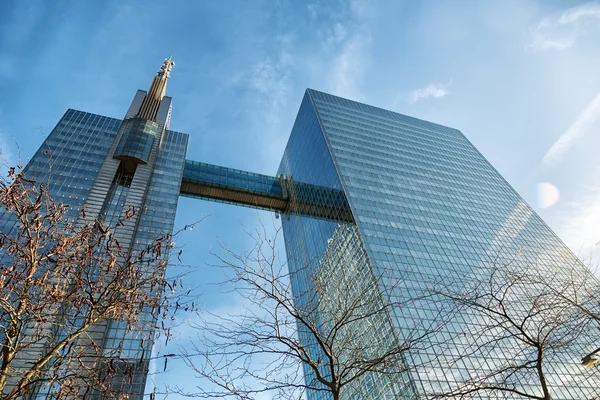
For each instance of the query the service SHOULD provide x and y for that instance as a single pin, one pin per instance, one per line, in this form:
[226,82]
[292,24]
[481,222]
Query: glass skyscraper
[427,207]
[366,194]
[107,165]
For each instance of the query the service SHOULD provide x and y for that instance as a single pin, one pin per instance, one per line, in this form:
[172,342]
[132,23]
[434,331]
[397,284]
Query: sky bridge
[280,194]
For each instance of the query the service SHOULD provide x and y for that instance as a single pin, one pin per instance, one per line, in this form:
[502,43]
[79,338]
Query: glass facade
[319,248]
[71,160]
[133,348]
[230,178]
[137,139]
[108,166]
[374,204]
[428,207]
[71,156]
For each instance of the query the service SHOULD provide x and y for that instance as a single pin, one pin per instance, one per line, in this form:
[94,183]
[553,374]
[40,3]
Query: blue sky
[519,78]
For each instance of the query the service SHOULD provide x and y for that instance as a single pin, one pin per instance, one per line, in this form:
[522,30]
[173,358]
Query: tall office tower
[107,165]
[427,207]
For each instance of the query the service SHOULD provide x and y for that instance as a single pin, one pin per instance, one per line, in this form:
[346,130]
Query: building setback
[359,188]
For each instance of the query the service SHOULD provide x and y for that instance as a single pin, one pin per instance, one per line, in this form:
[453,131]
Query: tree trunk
[541,374]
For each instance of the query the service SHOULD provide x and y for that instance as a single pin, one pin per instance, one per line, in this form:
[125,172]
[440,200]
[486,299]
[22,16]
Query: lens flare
[548,194]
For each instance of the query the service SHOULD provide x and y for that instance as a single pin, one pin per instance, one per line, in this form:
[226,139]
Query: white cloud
[271,77]
[24,19]
[581,125]
[580,223]
[338,34]
[312,11]
[349,40]
[433,90]
[349,67]
[561,31]
[577,13]
[271,84]
[337,66]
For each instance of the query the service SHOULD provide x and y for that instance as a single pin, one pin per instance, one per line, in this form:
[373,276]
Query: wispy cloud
[580,222]
[349,67]
[577,129]
[561,31]
[25,19]
[337,63]
[433,90]
[349,40]
[271,84]
[271,76]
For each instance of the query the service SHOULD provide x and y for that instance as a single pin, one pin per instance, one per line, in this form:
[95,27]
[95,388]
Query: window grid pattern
[428,205]
[68,161]
[230,178]
[137,139]
[316,248]
[71,156]
[156,220]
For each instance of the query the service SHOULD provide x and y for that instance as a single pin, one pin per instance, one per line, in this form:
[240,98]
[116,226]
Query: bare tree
[323,328]
[579,288]
[520,325]
[62,284]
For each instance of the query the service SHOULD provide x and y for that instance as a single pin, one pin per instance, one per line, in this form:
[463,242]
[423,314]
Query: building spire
[158,89]
[165,69]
